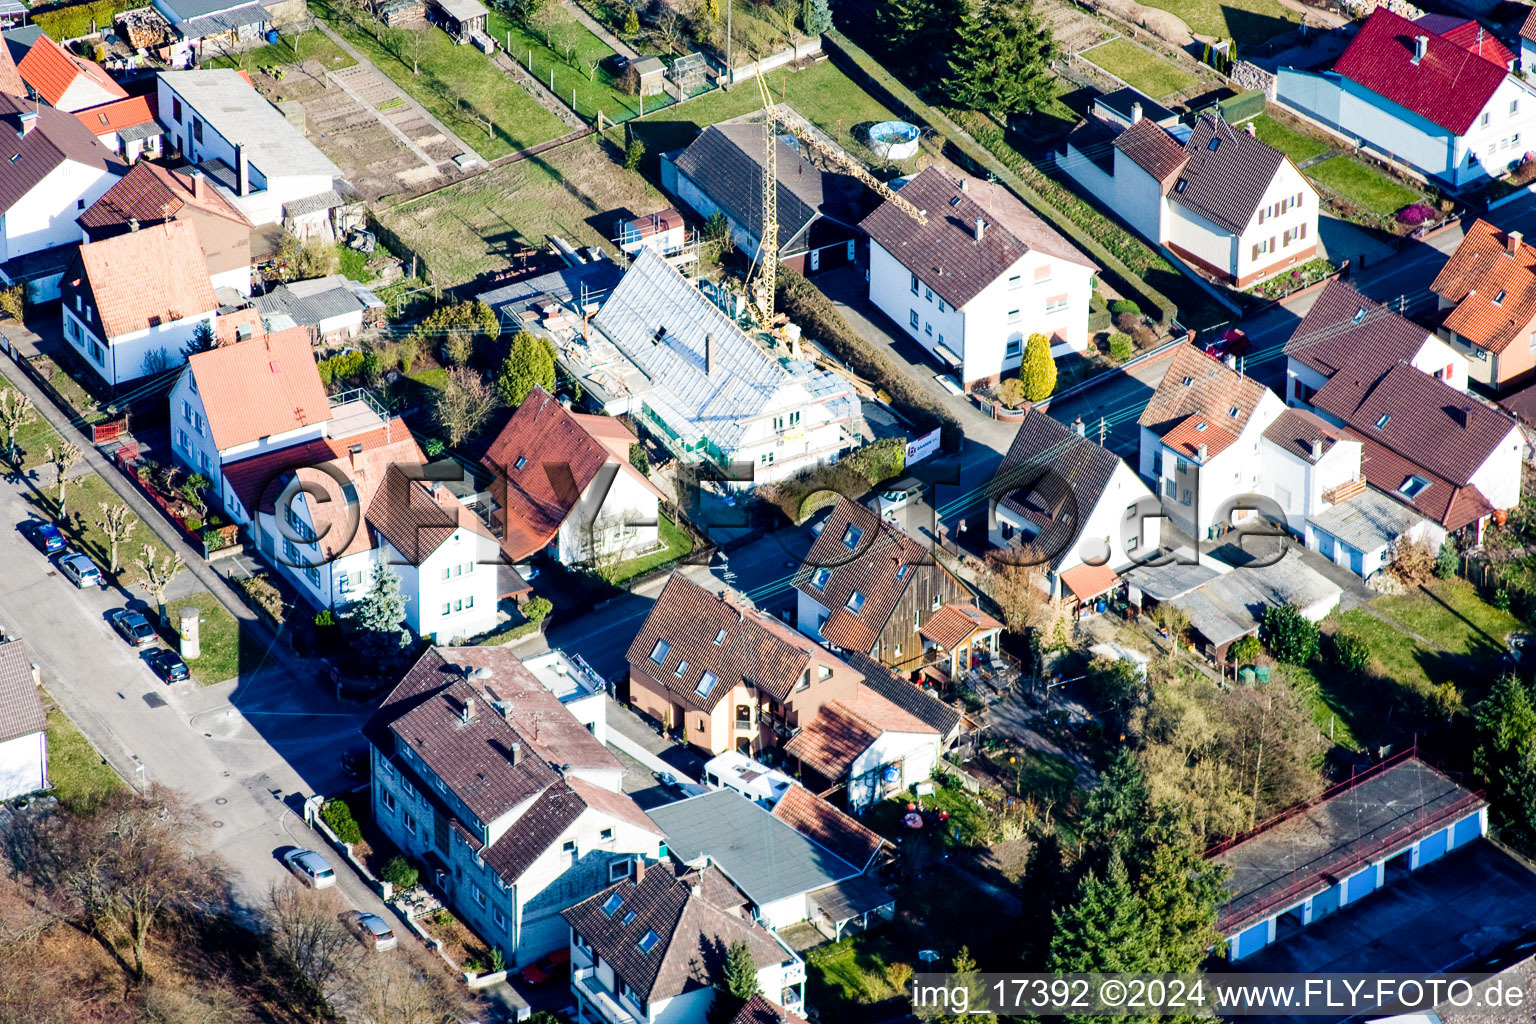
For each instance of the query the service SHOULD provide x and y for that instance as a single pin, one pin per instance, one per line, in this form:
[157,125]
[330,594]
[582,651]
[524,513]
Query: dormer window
[1383,421]
[660,651]
[852,535]
[1498,300]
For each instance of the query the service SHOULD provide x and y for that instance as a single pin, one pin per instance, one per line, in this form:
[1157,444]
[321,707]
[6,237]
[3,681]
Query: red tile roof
[1483,270]
[1197,429]
[827,826]
[1150,147]
[1213,390]
[51,70]
[1450,86]
[418,517]
[1528,26]
[146,277]
[954,624]
[10,79]
[844,729]
[1471,36]
[1089,581]
[1295,429]
[562,453]
[1344,328]
[259,480]
[759,1010]
[21,709]
[1444,502]
[55,138]
[113,117]
[254,389]
[149,194]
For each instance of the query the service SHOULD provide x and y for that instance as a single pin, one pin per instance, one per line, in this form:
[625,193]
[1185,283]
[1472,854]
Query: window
[501,919]
[823,673]
[628,917]
[928,329]
[743,714]
[447,608]
[804,682]
[181,435]
[1533,341]
[410,823]
[313,575]
[660,651]
[618,869]
[176,109]
[1514,106]
[706,684]
[648,942]
[1383,421]
[387,798]
[1185,500]
[912,319]
[1485,118]
[612,903]
[469,602]
[928,294]
[852,535]
[943,308]
[935,604]
[1170,488]
[1412,487]
[1042,274]
[479,894]
[682,667]
[1261,247]
[1214,144]
[569,846]
[1056,303]
[522,460]
[197,129]
[823,574]
[1015,347]
[1498,300]
[720,637]
[855,602]
[1015,282]
[914,284]
[765,459]
[1014,316]
[290,551]
[445,574]
[901,573]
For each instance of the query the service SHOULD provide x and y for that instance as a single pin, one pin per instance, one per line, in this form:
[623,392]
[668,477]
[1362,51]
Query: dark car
[169,666]
[354,762]
[548,967]
[47,537]
[133,627]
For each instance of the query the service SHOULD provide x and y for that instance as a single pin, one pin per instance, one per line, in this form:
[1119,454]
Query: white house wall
[627,501]
[916,752]
[1499,475]
[123,356]
[1288,182]
[1297,485]
[468,593]
[45,216]
[22,761]
[1138,199]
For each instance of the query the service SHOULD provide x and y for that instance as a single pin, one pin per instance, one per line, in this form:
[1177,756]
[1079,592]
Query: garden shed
[460,18]
[688,74]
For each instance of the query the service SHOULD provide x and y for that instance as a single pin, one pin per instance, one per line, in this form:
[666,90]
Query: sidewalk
[591,25]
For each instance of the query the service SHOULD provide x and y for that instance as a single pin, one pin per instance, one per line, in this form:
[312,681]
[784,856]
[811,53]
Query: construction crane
[768,247]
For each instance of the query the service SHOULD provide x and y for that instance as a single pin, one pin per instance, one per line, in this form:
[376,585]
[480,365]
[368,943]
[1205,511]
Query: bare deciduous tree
[463,404]
[307,928]
[157,574]
[16,411]
[117,523]
[401,990]
[63,458]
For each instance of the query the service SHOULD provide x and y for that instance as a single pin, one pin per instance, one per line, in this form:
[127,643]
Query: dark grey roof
[1225,184]
[1053,478]
[943,250]
[766,858]
[329,199]
[310,302]
[56,137]
[726,162]
[223,21]
[1120,102]
[20,40]
[920,704]
[21,709]
[187,10]
[568,286]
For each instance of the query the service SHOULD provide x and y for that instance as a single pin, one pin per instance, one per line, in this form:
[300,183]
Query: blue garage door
[1251,941]
[1356,562]
[1434,847]
[1362,883]
[1325,545]
[1467,829]
[1325,903]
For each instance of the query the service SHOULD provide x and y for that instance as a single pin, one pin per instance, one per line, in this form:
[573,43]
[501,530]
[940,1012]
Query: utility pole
[730,69]
[1103,430]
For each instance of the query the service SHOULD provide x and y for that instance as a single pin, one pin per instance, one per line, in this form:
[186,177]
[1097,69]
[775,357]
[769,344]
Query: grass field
[1247,21]
[1292,143]
[311,45]
[1362,185]
[82,507]
[594,87]
[1139,67]
[456,84]
[80,778]
[576,191]
[678,543]
[224,645]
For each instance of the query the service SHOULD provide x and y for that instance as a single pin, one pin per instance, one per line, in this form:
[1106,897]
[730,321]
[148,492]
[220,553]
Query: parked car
[1232,343]
[373,931]
[133,627]
[548,967]
[354,762]
[46,536]
[908,491]
[81,571]
[312,869]
[167,664]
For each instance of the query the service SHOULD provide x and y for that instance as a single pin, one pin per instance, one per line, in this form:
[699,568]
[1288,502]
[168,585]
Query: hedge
[805,304]
[76,20]
[341,367]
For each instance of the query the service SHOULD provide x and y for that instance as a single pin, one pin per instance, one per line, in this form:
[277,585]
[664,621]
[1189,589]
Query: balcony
[605,1002]
[1351,488]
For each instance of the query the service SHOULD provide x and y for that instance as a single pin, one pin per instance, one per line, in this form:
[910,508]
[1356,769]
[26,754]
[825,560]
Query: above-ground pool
[894,140]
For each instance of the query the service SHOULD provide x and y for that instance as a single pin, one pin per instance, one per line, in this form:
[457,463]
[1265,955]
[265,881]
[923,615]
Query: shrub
[1119,306]
[1523,174]
[400,873]
[1415,213]
[1447,560]
[338,816]
[1245,650]
[1037,372]
[1288,634]
[1127,322]
[1351,652]
[433,446]
[804,303]
[639,459]
[1412,561]
[1121,347]
[324,619]
[342,367]
[13,301]
[537,609]
[1011,392]
[1144,336]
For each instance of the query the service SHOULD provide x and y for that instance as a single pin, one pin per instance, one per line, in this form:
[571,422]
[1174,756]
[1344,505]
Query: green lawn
[1453,616]
[1332,701]
[313,45]
[1292,143]
[78,774]
[1362,185]
[1400,658]
[479,225]
[82,507]
[1140,68]
[843,979]
[458,84]
[226,649]
[1247,21]
[32,439]
[594,87]
[678,543]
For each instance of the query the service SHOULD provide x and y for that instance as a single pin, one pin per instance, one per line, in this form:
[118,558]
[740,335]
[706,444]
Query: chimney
[28,122]
[354,455]
[1251,130]
[242,172]
[1317,448]
[133,223]
[639,870]
[981,227]
[1512,242]
[1200,451]
[1420,47]
[1079,428]
[515,754]
[1135,112]
[709,355]
[197,183]
[469,710]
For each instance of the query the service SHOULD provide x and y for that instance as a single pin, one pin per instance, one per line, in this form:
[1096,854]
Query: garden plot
[1074,29]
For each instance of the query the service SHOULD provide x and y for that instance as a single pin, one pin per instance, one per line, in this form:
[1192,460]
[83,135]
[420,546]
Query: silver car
[373,930]
[80,570]
[312,869]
